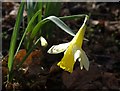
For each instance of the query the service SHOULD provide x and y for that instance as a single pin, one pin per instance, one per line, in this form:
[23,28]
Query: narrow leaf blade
[14,36]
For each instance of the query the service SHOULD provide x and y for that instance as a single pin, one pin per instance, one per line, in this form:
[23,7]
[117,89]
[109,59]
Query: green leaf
[39,7]
[51,9]
[30,9]
[55,20]
[58,22]
[28,29]
[14,38]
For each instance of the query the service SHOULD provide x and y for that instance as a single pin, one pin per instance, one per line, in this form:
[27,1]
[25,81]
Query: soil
[40,72]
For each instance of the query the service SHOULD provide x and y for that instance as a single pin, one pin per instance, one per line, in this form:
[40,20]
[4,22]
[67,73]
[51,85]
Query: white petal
[81,65]
[84,60]
[77,55]
[55,49]
[43,41]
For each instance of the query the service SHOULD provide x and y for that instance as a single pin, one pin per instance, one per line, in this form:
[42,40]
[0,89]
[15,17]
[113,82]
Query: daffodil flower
[73,51]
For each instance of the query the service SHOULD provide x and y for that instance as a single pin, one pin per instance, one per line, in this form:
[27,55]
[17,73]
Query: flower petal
[84,60]
[55,49]
[77,55]
[81,64]
[43,41]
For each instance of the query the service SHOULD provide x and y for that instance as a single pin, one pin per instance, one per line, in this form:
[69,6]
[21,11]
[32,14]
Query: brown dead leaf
[35,57]
[20,55]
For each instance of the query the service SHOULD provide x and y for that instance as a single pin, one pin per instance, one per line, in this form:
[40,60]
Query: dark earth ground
[103,50]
